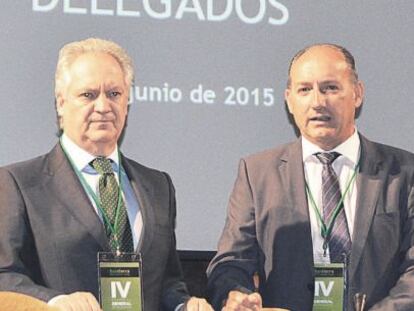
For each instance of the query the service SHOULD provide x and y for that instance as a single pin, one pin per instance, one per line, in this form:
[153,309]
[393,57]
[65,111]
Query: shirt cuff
[52,301]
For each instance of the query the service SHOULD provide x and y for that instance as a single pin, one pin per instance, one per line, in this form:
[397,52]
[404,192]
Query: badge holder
[330,286]
[120,281]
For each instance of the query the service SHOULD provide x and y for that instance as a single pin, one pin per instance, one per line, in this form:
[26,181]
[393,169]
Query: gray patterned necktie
[339,239]
[108,195]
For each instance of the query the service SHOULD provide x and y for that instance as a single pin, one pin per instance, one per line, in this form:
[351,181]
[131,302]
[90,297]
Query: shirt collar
[349,149]
[80,157]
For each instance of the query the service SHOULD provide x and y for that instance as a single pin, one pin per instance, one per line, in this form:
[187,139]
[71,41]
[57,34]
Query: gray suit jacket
[50,233]
[268,231]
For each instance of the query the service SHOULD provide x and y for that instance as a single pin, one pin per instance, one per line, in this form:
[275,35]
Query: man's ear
[359,94]
[287,101]
[59,105]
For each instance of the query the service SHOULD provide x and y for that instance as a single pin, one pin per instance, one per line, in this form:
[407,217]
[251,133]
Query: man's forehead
[93,68]
[321,50]
[320,62]
[94,85]
[92,63]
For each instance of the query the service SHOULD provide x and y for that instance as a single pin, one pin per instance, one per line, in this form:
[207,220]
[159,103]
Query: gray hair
[69,52]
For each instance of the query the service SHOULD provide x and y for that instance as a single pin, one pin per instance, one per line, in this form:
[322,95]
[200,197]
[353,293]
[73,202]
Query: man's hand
[78,301]
[197,304]
[238,301]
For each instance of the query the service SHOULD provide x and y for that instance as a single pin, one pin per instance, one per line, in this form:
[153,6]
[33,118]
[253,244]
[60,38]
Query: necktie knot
[327,158]
[102,165]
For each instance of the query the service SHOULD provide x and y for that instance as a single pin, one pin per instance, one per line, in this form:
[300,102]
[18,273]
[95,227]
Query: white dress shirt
[81,160]
[344,166]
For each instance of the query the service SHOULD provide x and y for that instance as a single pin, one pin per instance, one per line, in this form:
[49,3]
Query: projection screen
[210,77]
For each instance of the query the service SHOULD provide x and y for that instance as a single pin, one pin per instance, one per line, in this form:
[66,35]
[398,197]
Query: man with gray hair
[84,197]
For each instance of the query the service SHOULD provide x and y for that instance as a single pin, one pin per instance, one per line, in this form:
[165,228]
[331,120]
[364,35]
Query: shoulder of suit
[396,160]
[31,166]
[141,168]
[273,154]
[25,173]
[388,152]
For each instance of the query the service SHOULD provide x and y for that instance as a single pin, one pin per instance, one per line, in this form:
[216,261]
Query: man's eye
[331,87]
[304,89]
[88,95]
[114,94]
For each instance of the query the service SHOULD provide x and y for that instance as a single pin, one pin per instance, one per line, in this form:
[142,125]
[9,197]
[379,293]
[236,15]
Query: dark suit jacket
[268,231]
[50,233]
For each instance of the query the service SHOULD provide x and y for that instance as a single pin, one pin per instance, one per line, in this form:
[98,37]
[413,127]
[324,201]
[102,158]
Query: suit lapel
[293,180]
[67,189]
[369,184]
[144,193]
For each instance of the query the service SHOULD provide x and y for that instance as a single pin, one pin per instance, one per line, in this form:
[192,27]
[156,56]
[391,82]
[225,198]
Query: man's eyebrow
[113,85]
[303,83]
[329,81]
[85,89]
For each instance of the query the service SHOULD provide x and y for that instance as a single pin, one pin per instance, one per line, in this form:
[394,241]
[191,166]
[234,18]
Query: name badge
[329,287]
[120,282]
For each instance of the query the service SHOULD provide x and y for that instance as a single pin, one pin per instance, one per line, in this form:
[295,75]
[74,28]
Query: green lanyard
[326,229]
[113,228]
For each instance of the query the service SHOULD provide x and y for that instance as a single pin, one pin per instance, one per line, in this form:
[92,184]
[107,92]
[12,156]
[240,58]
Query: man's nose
[102,104]
[318,98]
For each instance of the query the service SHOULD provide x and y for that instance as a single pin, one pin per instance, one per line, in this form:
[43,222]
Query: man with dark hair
[58,211]
[329,197]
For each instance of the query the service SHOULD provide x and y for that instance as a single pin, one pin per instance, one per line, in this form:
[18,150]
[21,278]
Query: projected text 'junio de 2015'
[230,95]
